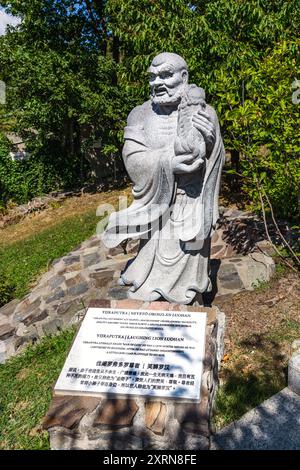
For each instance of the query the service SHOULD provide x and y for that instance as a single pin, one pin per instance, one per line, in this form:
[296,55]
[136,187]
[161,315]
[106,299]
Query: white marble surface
[136,352]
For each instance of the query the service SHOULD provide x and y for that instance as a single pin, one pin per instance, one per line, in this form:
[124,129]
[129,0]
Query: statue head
[168,76]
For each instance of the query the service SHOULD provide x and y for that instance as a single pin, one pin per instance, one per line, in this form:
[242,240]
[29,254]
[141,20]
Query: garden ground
[261,326]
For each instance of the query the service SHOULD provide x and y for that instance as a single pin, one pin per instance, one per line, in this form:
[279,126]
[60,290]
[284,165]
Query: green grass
[257,372]
[242,392]
[289,330]
[23,261]
[26,383]
[261,286]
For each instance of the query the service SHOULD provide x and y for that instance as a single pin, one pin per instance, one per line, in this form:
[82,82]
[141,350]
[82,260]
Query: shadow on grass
[256,374]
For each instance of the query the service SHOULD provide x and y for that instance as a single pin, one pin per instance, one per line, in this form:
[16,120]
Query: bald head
[170,58]
[168,75]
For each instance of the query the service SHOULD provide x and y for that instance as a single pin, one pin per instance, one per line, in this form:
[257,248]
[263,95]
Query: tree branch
[279,231]
[267,232]
[92,18]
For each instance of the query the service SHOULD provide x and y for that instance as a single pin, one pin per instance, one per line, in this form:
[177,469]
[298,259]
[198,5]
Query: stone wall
[127,423]
[91,271]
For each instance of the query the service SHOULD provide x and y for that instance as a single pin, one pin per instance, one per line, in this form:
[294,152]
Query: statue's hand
[203,122]
[186,163]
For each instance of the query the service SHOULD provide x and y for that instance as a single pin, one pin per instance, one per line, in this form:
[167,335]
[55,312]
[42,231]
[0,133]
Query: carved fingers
[203,122]
[193,167]
[186,163]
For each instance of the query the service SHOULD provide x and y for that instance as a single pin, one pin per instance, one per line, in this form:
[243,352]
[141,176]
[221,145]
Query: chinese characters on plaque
[136,352]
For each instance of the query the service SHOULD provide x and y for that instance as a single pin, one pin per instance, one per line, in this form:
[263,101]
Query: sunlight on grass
[26,383]
[23,261]
[255,372]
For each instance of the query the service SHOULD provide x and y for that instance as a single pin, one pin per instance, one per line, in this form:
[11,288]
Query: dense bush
[246,55]
[79,67]
[23,180]
[264,128]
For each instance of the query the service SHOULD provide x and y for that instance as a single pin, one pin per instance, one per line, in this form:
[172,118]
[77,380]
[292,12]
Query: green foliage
[22,261]
[264,128]
[79,67]
[246,56]
[60,89]
[23,180]
[7,290]
[26,390]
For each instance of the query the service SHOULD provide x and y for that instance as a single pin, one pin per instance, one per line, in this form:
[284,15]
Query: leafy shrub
[79,67]
[263,127]
[23,180]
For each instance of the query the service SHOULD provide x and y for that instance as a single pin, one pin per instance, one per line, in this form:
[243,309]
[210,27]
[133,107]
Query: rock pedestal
[294,374]
[136,423]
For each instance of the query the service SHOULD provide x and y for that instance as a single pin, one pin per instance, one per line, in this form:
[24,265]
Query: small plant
[280,269]
[260,285]
[55,204]
[7,290]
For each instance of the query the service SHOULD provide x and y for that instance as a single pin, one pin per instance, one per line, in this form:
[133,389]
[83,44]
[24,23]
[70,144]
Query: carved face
[166,82]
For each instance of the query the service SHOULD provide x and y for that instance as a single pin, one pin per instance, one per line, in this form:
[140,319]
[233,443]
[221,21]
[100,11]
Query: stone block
[76,318]
[35,316]
[78,289]
[55,282]
[143,422]
[25,307]
[128,303]
[217,250]
[25,335]
[67,310]
[117,250]
[132,246]
[155,417]
[7,349]
[2,352]
[67,411]
[91,259]
[70,268]
[56,295]
[110,264]
[75,280]
[294,373]
[116,412]
[229,278]
[8,309]
[71,260]
[102,278]
[52,326]
[103,303]
[6,331]
[217,236]
[91,294]
[118,292]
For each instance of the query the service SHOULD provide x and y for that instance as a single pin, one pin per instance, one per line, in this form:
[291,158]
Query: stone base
[135,423]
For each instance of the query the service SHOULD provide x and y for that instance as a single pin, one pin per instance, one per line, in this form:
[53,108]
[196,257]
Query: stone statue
[174,154]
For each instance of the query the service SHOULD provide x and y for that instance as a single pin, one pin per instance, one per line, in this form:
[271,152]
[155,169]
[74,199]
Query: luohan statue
[174,154]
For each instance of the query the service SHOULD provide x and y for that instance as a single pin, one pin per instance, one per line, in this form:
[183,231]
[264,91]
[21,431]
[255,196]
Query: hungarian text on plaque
[136,352]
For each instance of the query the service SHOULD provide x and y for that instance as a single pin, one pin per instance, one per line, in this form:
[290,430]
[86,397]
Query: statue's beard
[166,99]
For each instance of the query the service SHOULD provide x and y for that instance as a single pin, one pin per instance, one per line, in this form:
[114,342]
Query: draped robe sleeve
[150,170]
[153,184]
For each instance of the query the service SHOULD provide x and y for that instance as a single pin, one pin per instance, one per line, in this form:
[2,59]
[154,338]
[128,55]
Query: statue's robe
[173,215]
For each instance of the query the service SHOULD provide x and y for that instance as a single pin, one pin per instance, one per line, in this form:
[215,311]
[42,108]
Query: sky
[6,19]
